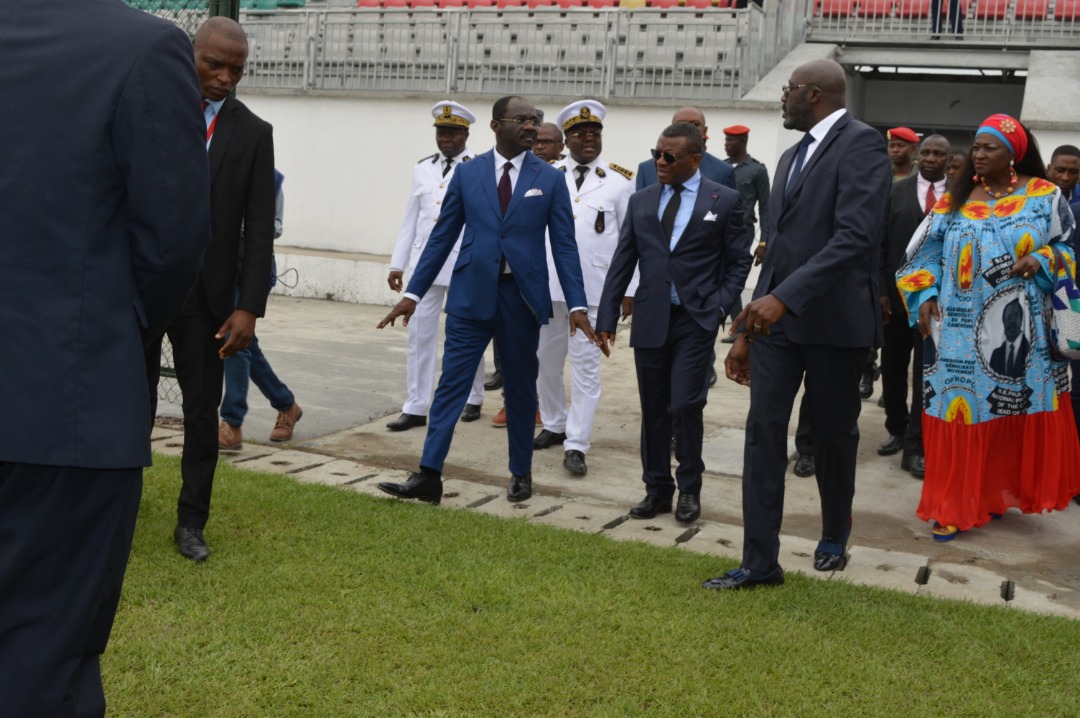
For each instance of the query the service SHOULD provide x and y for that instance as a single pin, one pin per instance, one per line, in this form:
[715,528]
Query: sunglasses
[668,157]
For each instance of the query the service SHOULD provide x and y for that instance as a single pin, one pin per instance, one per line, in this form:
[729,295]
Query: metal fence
[676,53]
[1038,24]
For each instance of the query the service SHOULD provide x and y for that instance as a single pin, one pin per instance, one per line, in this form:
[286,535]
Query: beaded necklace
[1005,192]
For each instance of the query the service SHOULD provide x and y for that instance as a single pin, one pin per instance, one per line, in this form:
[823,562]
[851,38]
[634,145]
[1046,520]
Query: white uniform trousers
[423,348]
[555,343]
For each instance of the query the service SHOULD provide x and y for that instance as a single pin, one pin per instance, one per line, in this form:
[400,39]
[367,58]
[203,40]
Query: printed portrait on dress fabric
[1004,333]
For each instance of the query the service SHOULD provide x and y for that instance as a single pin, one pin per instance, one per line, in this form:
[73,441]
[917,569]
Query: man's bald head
[829,76]
[815,91]
[691,116]
[226,27]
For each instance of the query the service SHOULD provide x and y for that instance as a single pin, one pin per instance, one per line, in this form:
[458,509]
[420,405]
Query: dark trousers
[65,536]
[804,433]
[200,373]
[515,329]
[903,348]
[777,368]
[673,388]
[955,19]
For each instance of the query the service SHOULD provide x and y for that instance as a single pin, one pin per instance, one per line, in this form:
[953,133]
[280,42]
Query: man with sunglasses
[688,237]
[504,199]
[814,315]
[599,191]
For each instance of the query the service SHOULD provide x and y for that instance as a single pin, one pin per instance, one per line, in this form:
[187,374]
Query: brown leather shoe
[229,437]
[286,420]
[499,420]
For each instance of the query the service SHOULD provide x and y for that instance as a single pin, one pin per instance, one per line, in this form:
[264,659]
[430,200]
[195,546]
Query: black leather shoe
[688,509]
[494,382]
[881,401]
[471,413]
[866,384]
[804,465]
[520,488]
[650,506]
[546,439]
[829,561]
[191,543]
[915,464]
[728,339]
[738,578]
[423,485]
[712,375]
[891,446]
[574,462]
[406,421]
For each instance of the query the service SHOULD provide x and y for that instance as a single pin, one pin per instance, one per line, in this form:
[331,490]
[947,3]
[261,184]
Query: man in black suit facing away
[688,236]
[214,324]
[910,200]
[815,313]
[105,216]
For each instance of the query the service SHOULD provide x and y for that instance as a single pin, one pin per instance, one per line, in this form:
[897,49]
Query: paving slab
[459,494]
[797,556]
[583,516]
[964,582]
[883,568]
[663,530]
[169,446]
[284,461]
[338,472]
[719,539]
[538,504]
[157,433]
[248,454]
[1046,599]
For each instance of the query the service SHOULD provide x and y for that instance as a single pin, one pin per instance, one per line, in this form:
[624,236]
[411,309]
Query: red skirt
[1030,462]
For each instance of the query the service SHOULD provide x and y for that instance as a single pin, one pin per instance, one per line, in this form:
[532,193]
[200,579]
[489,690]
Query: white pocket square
[709,217]
[534,192]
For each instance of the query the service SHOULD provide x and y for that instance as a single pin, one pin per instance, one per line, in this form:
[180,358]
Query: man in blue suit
[105,216]
[504,199]
[711,167]
[814,315]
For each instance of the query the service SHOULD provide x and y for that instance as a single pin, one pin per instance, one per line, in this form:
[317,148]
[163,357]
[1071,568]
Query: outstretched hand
[403,309]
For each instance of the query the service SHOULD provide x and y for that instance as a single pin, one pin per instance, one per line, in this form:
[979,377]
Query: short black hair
[498,110]
[1067,150]
[690,132]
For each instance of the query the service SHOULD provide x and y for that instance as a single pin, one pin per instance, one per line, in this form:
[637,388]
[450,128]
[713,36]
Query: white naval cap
[452,114]
[581,112]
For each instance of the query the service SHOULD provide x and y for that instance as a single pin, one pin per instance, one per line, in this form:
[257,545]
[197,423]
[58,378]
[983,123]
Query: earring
[1012,175]
[975,178]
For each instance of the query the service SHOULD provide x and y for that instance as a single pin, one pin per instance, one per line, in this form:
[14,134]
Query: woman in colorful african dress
[996,431]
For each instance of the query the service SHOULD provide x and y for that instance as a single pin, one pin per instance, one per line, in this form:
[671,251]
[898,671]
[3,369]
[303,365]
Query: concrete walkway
[350,380]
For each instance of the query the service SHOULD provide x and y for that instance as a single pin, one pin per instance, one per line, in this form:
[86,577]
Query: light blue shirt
[213,107]
[682,216]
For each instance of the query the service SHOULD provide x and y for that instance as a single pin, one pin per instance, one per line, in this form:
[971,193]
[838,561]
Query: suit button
[577,199]
[441,186]
[575,216]
[438,201]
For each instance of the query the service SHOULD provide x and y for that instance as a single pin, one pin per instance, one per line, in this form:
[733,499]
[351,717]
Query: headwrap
[1009,131]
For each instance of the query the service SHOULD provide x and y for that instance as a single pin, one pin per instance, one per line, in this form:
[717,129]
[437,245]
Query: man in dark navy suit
[814,315]
[105,215]
[688,236]
[504,199]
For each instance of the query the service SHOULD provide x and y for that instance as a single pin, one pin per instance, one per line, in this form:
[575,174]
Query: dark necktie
[505,191]
[800,159]
[581,170]
[1010,360]
[446,170]
[667,221]
[931,200]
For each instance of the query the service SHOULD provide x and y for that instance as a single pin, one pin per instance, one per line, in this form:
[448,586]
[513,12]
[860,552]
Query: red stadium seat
[395,3]
[569,4]
[664,4]
[479,3]
[876,8]
[501,4]
[421,3]
[450,3]
[369,3]
[837,8]
[1067,10]
[541,3]
[915,8]
[602,3]
[991,9]
[699,4]
[1032,9]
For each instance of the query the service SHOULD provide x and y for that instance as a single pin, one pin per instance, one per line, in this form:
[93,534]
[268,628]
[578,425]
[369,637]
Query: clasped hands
[757,319]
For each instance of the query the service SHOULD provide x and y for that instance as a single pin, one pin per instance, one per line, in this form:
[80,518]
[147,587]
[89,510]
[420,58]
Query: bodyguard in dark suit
[814,314]
[689,239]
[711,167]
[105,215]
[909,202]
[504,199]
[213,324]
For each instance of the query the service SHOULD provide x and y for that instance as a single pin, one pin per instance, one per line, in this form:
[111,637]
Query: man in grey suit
[106,213]
[814,314]
[687,234]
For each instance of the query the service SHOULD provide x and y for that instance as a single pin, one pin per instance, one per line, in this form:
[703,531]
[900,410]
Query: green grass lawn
[323,602]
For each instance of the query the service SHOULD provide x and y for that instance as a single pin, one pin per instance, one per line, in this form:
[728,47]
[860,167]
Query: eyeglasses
[534,121]
[584,134]
[788,89]
[546,142]
[668,157]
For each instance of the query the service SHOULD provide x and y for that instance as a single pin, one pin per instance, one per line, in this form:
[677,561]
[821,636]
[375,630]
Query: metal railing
[675,53]
[1036,24]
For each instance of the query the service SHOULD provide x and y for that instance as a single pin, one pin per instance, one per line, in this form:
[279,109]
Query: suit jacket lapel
[485,162]
[223,130]
[783,168]
[704,200]
[819,152]
[530,170]
[651,207]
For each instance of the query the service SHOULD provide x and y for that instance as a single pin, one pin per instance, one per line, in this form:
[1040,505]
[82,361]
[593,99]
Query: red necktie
[505,191]
[931,200]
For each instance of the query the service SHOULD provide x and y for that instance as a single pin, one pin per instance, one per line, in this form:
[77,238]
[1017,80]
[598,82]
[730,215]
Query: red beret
[737,130]
[902,133]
